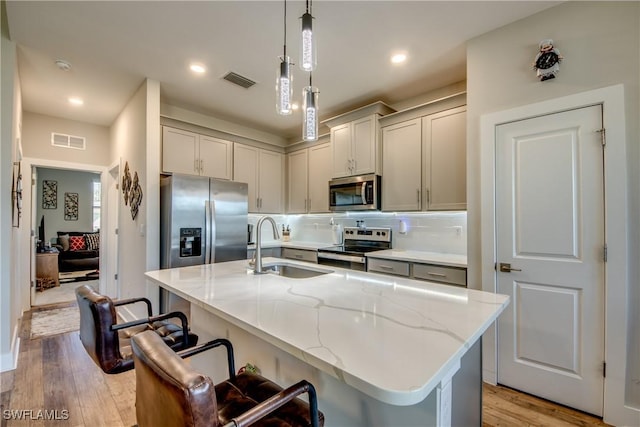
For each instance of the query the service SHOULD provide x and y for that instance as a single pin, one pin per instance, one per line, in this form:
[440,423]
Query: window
[96,205]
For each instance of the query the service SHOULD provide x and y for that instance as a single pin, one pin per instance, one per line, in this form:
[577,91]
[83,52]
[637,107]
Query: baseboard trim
[9,360]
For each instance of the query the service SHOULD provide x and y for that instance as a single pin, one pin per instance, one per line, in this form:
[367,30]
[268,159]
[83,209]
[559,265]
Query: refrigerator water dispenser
[190,242]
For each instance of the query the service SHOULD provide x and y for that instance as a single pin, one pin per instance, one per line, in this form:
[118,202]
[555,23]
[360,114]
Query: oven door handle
[340,257]
[363,193]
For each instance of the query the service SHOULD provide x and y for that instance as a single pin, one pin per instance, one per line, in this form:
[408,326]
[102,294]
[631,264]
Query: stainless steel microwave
[355,193]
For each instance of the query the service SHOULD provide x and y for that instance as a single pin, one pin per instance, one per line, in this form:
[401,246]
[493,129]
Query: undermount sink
[294,271]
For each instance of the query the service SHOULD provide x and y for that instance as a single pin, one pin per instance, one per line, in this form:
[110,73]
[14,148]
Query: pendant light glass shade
[310,113]
[308,57]
[284,87]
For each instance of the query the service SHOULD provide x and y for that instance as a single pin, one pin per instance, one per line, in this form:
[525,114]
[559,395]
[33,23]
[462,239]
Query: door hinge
[604,369]
[115,276]
[603,136]
[115,231]
[604,253]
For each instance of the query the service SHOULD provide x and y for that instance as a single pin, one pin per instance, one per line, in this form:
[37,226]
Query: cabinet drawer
[398,268]
[300,254]
[435,273]
[266,252]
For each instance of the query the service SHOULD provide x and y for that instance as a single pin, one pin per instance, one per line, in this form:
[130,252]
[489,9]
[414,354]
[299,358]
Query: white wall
[135,139]
[67,182]
[601,45]
[37,129]
[10,127]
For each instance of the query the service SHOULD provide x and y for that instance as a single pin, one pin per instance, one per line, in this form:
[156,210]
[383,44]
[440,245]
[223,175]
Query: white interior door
[550,229]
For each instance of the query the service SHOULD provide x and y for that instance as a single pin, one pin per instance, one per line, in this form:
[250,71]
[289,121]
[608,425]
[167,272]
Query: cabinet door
[364,145]
[215,157]
[445,144]
[319,176]
[341,150]
[271,182]
[179,151]
[402,166]
[297,177]
[245,169]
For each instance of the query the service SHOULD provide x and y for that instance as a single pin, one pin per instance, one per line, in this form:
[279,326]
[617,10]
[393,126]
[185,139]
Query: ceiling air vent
[238,80]
[68,141]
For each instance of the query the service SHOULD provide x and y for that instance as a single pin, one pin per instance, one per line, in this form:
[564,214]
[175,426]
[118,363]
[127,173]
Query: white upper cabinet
[402,166]
[424,163]
[263,170]
[319,177]
[298,173]
[216,157]
[194,154]
[445,152]
[309,172]
[356,147]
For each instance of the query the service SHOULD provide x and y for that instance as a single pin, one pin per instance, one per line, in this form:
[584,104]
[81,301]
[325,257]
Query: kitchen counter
[451,260]
[393,339]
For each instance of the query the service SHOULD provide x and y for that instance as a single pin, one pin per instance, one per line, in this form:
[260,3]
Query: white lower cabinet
[421,271]
[300,254]
[263,170]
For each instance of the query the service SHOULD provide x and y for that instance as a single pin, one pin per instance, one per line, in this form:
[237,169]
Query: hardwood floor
[56,374]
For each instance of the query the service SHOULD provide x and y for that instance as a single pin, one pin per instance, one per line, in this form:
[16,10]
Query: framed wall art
[70,206]
[49,194]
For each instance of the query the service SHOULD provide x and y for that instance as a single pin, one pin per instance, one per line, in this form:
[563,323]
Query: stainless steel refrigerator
[203,220]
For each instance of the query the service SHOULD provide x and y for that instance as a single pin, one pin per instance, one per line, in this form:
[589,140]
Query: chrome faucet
[257,269]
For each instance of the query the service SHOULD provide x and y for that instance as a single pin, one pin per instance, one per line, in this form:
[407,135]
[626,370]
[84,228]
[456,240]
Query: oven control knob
[384,233]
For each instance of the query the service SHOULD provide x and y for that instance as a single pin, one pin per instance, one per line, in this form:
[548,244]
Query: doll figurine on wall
[547,62]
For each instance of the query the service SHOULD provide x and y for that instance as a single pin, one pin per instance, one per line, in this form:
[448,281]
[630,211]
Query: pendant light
[308,57]
[310,112]
[284,77]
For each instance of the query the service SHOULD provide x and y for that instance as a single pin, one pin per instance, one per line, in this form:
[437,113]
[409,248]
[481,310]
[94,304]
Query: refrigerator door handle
[212,227]
[207,232]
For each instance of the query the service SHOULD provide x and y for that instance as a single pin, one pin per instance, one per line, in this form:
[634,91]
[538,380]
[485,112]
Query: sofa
[78,250]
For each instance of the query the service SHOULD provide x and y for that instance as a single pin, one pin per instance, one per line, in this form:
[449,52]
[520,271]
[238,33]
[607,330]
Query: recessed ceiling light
[294,106]
[197,68]
[74,100]
[398,58]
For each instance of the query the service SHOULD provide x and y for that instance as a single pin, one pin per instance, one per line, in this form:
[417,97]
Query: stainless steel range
[357,242]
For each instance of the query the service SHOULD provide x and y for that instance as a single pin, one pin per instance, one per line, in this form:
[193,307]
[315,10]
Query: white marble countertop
[452,260]
[389,337]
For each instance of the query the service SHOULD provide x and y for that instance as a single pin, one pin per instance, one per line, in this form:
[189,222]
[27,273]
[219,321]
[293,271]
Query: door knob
[506,268]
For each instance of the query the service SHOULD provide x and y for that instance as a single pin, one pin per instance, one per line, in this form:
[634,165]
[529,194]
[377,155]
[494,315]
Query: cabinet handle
[354,166]
[201,165]
[428,195]
[386,267]
[418,197]
[195,165]
[436,274]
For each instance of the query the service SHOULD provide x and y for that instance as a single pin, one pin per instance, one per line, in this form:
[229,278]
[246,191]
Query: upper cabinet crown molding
[378,107]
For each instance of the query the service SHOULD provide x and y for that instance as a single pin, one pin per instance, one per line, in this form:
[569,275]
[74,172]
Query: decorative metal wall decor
[70,206]
[126,183]
[49,194]
[16,195]
[135,196]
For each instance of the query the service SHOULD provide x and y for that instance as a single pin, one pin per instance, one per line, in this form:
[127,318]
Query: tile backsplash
[444,232]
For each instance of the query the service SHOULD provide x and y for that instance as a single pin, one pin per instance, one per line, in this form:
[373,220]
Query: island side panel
[342,404]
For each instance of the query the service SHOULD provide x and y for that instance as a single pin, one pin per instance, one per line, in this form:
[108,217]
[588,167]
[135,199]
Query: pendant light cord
[285,27]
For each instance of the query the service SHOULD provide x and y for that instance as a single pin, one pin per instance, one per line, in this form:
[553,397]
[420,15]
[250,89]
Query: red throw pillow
[76,243]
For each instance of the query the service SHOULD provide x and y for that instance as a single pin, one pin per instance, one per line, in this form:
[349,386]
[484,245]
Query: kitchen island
[380,350]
